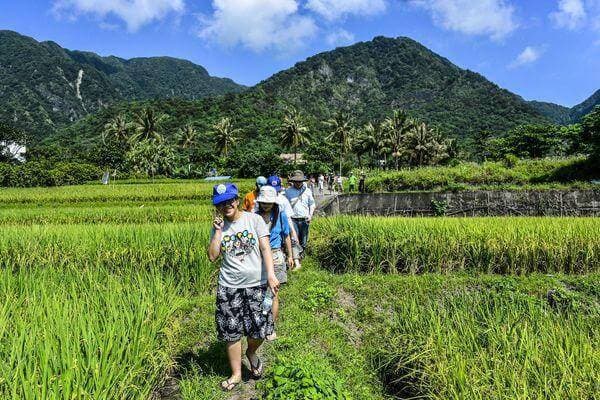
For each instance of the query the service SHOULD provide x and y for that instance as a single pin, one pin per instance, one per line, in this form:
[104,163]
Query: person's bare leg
[253,345]
[275,310]
[234,354]
[275,307]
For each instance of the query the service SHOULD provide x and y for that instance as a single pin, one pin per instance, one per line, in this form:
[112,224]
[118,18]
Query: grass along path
[429,336]
[311,331]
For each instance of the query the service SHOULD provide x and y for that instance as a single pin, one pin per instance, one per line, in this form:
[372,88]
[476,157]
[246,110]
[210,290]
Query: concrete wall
[470,203]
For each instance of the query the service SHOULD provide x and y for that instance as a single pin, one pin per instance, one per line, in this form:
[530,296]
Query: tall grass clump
[483,245]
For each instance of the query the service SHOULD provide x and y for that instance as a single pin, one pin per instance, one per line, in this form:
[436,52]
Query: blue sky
[540,49]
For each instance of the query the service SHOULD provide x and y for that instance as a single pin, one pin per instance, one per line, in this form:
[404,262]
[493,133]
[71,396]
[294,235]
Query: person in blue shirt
[279,228]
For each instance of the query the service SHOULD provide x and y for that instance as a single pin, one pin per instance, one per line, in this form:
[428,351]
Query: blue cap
[275,181]
[261,181]
[223,192]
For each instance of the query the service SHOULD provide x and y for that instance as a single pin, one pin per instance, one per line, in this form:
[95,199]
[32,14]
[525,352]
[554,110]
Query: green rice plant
[485,245]
[68,333]
[89,310]
[480,339]
[181,190]
[176,248]
[113,212]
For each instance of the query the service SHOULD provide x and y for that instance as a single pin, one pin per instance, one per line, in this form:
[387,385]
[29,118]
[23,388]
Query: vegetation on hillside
[45,87]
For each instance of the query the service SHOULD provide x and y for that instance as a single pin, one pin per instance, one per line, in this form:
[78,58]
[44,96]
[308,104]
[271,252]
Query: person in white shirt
[241,240]
[303,206]
[321,183]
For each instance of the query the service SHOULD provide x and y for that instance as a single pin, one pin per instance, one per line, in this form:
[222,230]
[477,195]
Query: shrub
[304,378]
[33,174]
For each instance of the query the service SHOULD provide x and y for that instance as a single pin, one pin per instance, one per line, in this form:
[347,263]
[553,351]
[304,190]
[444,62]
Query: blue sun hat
[223,192]
[275,181]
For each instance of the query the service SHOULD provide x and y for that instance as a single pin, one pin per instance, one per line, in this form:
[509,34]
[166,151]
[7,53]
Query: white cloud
[571,14]
[529,55]
[257,24]
[340,37]
[135,13]
[494,18]
[334,9]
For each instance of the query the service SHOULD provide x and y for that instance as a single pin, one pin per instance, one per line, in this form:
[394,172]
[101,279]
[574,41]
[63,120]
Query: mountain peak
[57,86]
[369,79]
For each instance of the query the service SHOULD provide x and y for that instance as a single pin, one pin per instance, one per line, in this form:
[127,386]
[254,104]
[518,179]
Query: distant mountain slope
[554,112]
[371,78]
[43,86]
[586,107]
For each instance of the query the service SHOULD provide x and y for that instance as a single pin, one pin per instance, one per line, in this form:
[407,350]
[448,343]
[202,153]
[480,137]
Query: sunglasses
[226,203]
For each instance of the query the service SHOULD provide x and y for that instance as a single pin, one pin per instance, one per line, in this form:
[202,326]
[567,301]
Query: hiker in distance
[277,222]
[241,239]
[303,206]
[250,198]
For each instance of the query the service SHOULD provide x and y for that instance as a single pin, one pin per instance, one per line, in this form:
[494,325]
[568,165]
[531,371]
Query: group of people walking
[257,245]
[335,183]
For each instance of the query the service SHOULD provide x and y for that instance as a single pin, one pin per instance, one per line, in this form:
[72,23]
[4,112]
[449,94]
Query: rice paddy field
[107,293]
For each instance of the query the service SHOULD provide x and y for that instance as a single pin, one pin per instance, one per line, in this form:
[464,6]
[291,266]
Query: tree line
[149,143]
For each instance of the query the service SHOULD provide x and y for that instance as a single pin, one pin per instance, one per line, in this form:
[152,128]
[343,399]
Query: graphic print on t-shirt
[239,244]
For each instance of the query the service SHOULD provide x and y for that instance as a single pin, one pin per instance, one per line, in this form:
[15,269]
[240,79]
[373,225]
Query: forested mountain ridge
[555,112]
[369,79]
[586,107]
[44,86]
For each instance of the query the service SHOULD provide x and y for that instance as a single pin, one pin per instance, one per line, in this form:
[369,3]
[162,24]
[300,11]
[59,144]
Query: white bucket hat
[267,194]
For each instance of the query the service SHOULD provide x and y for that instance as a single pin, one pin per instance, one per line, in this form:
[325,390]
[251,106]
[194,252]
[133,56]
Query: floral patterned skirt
[239,313]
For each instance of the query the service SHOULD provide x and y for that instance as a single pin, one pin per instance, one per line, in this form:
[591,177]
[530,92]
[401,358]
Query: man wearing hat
[303,206]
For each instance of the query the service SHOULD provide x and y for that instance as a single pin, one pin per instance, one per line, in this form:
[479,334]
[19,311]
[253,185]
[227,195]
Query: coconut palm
[365,142]
[117,128]
[341,132]
[187,136]
[225,135]
[395,129]
[147,125]
[424,146]
[293,132]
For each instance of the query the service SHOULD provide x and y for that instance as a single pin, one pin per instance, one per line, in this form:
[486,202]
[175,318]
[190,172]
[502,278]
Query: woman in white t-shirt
[241,239]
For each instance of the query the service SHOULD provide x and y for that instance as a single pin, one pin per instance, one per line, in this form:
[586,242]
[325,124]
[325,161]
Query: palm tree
[293,132]
[225,135]
[187,136]
[425,146]
[365,142]
[117,128]
[395,129]
[148,125]
[341,131]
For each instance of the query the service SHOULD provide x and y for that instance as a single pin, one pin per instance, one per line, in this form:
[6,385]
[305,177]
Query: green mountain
[369,79]
[586,107]
[554,112]
[44,86]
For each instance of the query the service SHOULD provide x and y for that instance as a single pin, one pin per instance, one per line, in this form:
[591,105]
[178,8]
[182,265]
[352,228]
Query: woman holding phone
[241,239]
